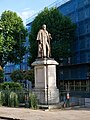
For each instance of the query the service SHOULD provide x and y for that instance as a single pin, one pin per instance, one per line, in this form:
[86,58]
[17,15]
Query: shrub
[11,86]
[1,98]
[33,100]
[1,76]
[13,99]
[6,95]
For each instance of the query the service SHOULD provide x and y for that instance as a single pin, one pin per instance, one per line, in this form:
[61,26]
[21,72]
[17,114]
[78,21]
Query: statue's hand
[50,37]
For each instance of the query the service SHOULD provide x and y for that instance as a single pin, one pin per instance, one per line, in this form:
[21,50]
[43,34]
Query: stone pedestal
[45,81]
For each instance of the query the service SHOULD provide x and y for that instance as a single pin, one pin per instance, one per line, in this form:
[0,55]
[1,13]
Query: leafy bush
[8,98]
[33,100]
[11,86]
[13,100]
[1,98]
[1,75]
[6,95]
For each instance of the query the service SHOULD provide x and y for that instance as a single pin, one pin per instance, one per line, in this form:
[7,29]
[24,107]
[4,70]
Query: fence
[81,98]
[24,99]
[21,97]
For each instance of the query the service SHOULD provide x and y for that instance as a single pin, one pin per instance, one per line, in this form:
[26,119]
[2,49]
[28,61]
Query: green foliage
[29,101]
[10,86]
[33,101]
[61,29]
[29,75]
[6,95]
[22,75]
[17,75]
[1,98]
[1,76]
[13,99]
[8,98]
[12,38]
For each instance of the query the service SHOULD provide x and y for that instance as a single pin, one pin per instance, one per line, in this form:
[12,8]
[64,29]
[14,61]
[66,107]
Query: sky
[24,8]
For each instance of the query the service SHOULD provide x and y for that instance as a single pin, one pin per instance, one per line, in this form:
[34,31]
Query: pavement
[7,113]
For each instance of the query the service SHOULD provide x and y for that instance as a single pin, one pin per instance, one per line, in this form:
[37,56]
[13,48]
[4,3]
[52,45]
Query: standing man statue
[43,38]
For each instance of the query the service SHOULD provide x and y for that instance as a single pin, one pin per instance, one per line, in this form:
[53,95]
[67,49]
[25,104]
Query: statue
[45,70]
[43,38]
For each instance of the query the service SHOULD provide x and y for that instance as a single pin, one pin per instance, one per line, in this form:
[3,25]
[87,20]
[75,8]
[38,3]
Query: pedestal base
[45,81]
[47,96]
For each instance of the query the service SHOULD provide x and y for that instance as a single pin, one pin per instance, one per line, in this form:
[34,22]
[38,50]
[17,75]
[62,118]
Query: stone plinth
[45,81]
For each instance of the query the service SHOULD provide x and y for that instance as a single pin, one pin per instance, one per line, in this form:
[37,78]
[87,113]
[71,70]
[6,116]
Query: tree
[61,29]
[1,76]
[12,38]
[29,75]
[17,75]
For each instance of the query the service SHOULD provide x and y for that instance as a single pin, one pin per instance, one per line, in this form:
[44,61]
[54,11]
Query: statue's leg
[44,50]
[39,51]
[48,50]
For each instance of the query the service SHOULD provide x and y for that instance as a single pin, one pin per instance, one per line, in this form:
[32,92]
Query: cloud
[26,13]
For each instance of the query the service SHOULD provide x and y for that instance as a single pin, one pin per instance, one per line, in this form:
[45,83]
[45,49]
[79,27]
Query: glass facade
[76,72]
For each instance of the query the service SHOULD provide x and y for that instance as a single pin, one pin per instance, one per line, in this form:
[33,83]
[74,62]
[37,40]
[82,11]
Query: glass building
[74,72]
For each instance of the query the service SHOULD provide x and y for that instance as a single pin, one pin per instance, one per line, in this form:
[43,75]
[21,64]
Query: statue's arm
[39,38]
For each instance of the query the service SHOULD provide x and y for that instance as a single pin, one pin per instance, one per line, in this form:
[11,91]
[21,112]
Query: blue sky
[24,8]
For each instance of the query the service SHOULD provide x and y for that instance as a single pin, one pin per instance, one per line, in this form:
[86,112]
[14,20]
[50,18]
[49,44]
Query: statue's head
[44,26]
